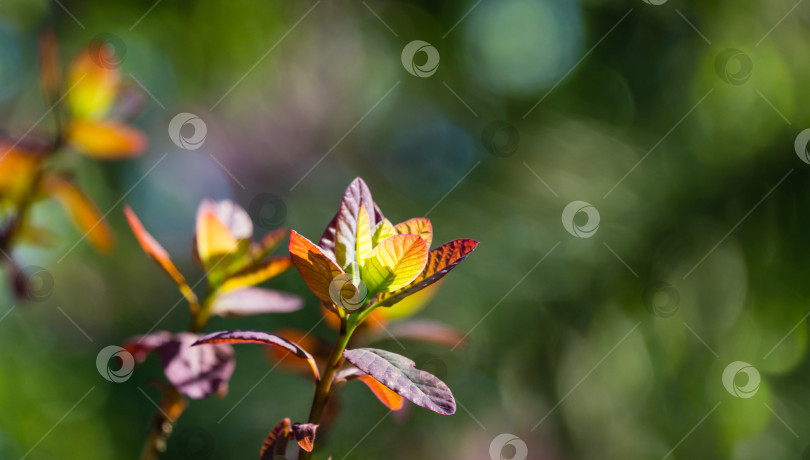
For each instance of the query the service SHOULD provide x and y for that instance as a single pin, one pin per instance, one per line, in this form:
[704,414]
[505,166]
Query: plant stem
[325,383]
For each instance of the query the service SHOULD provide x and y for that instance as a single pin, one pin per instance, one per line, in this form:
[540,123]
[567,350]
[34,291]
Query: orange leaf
[315,268]
[153,248]
[386,396]
[257,273]
[440,261]
[105,139]
[82,211]
[417,226]
[276,442]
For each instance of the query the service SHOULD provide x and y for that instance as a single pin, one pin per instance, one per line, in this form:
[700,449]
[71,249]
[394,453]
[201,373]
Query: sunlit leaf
[363,236]
[254,301]
[417,226]
[152,248]
[257,273]
[276,442]
[260,338]
[386,396]
[105,139]
[82,211]
[91,88]
[315,268]
[214,240]
[17,171]
[394,263]
[399,374]
[384,229]
[338,240]
[440,261]
[304,434]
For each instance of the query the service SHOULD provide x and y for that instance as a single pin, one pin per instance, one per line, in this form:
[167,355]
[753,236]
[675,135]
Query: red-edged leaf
[304,434]
[394,263]
[340,234]
[254,301]
[422,330]
[276,442]
[152,248]
[399,374]
[417,226]
[141,345]
[260,338]
[315,267]
[440,261]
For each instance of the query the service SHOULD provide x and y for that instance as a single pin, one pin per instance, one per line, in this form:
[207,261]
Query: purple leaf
[196,372]
[399,374]
[342,229]
[261,338]
[254,301]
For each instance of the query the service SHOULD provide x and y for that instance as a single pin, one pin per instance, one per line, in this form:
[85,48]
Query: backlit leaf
[82,211]
[17,171]
[399,374]
[394,263]
[363,236]
[105,139]
[214,239]
[260,338]
[338,240]
[386,396]
[440,261]
[315,268]
[384,229]
[254,301]
[257,273]
[417,226]
[276,442]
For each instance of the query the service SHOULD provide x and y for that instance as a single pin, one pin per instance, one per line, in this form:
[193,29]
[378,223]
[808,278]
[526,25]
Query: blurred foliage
[569,340]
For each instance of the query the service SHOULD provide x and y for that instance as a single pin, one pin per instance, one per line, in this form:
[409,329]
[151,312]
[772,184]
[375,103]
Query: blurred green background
[686,154]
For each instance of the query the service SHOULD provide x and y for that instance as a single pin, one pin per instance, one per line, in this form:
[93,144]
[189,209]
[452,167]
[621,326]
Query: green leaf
[394,263]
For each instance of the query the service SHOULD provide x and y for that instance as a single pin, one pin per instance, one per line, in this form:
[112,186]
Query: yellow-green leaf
[384,230]
[363,236]
[257,273]
[394,263]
